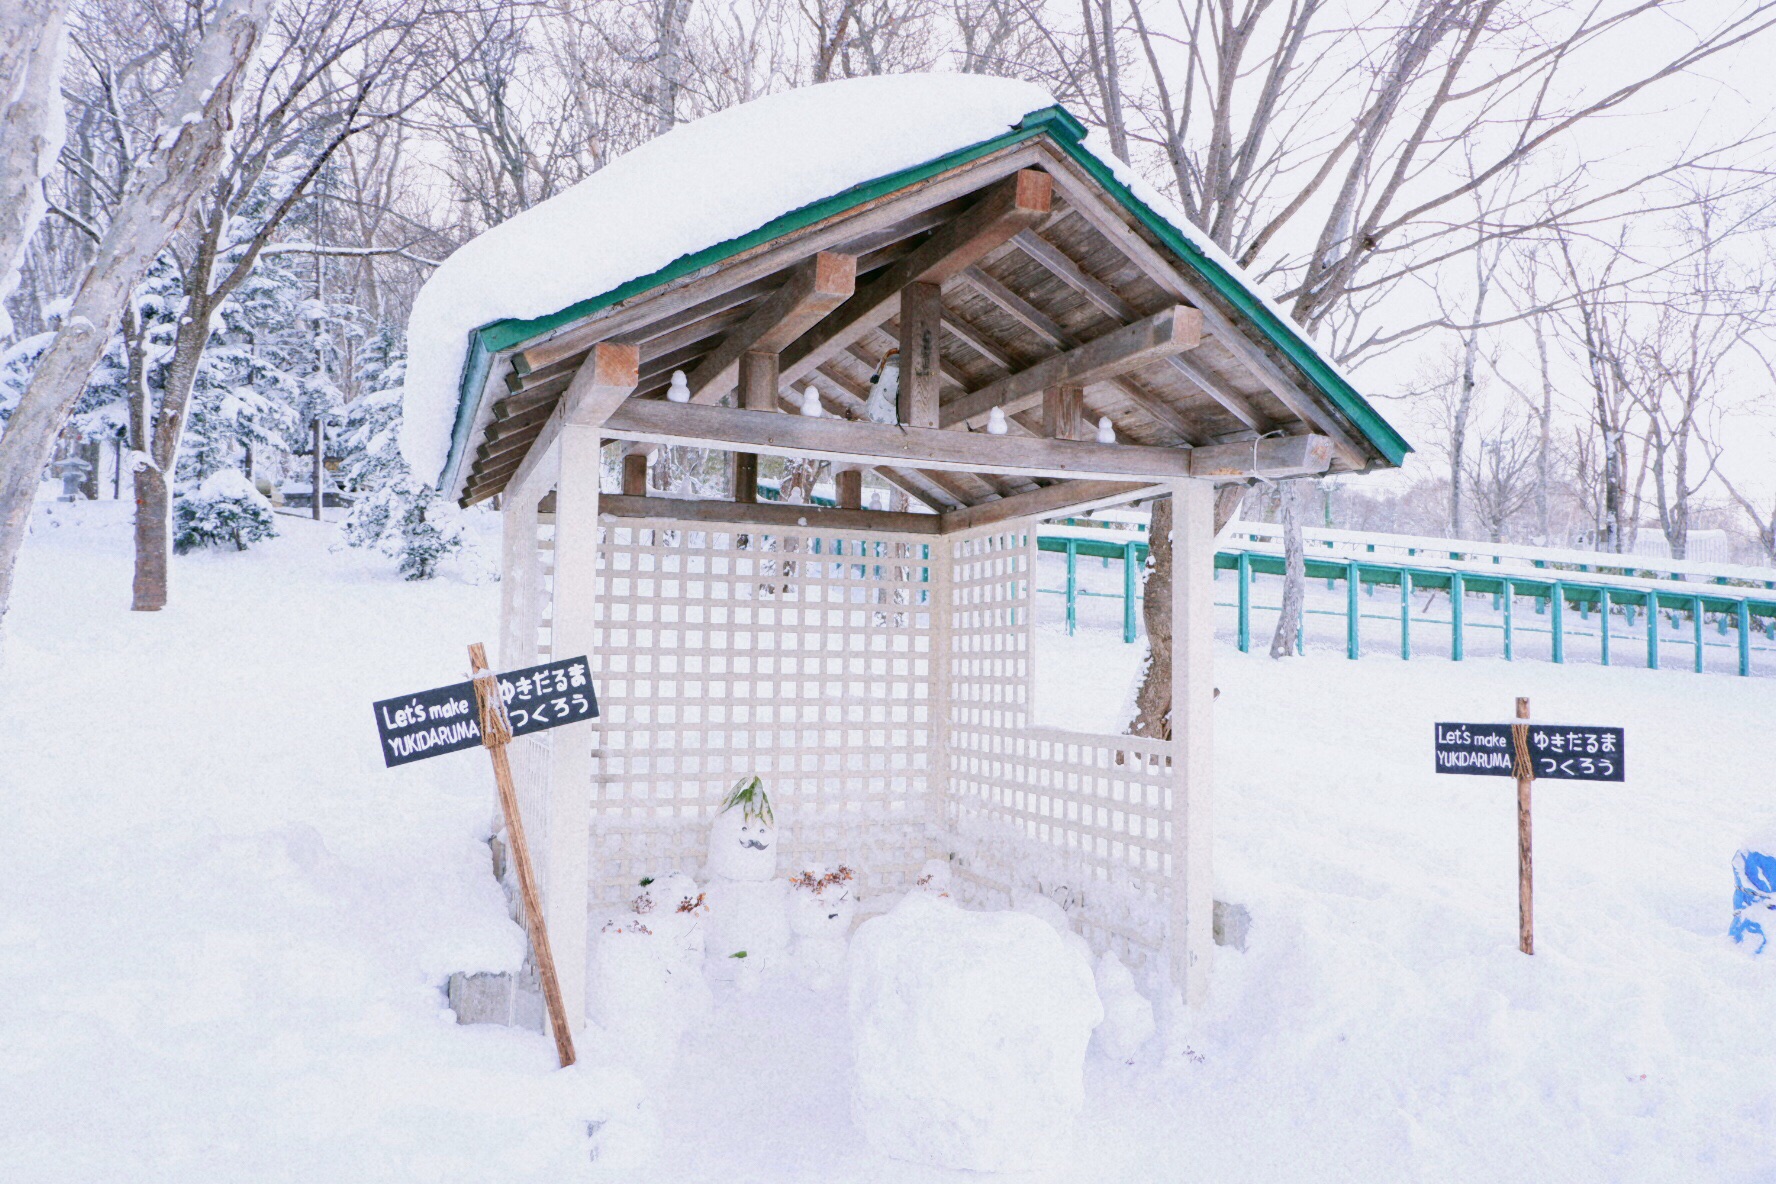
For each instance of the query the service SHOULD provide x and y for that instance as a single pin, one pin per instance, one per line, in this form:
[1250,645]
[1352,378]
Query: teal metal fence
[1738,613]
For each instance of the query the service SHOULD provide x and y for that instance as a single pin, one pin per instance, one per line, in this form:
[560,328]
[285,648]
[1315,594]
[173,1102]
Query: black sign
[1560,752]
[445,719]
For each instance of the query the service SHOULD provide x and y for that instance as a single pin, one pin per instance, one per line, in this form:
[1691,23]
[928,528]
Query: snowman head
[822,902]
[743,837]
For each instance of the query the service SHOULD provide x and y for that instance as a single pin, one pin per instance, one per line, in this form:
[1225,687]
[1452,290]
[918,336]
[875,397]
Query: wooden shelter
[874,666]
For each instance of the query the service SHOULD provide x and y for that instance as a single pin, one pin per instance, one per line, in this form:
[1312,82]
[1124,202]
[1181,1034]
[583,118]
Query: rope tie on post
[1522,767]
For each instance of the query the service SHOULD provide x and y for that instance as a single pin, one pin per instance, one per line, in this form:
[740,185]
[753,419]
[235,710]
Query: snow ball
[969,1034]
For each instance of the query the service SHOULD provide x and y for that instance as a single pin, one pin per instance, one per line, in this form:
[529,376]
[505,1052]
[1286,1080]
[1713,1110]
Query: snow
[227,926]
[969,1032]
[653,205]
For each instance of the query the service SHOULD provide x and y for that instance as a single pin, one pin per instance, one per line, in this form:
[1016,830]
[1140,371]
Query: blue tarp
[1754,897]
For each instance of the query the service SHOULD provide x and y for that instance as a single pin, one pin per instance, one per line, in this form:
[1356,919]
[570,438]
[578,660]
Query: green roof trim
[1061,127]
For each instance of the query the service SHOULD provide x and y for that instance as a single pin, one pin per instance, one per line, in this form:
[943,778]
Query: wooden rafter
[1014,204]
[1177,328]
[813,290]
[1058,264]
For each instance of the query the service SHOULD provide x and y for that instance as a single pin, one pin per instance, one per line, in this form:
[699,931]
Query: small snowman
[645,980]
[748,929]
[822,904]
[1128,1016]
[934,878]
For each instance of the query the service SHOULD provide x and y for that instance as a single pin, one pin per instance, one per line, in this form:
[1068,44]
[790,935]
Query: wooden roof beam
[1176,329]
[1012,205]
[1033,318]
[1058,264]
[1076,496]
[813,290]
[779,514]
[1083,198]
[656,421]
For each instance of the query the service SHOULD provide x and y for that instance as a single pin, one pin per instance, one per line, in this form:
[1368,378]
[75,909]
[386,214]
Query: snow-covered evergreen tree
[395,512]
[224,508]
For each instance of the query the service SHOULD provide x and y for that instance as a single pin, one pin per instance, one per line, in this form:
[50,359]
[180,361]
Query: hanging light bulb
[1106,430]
[996,425]
[680,390]
[811,402]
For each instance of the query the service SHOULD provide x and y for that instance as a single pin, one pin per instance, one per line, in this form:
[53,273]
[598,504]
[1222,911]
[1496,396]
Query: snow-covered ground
[224,925]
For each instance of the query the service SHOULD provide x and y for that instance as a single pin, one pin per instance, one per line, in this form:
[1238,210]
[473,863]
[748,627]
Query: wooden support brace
[921,369]
[1063,412]
[849,485]
[635,475]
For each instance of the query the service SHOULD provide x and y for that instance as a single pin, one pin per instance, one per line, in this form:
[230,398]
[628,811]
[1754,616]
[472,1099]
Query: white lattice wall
[881,685]
[1080,818]
[799,655]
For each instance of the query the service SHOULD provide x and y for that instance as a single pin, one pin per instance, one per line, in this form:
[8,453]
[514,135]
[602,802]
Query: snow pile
[822,905]
[969,1034]
[651,206]
[645,984]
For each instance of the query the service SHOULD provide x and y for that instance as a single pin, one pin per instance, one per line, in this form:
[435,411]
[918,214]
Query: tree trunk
[30,126]
[148,590]
[1288,629]
[187,154]
[1153,701]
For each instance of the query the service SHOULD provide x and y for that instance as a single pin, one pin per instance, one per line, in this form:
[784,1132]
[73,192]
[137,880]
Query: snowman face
[742,848]
[824,913]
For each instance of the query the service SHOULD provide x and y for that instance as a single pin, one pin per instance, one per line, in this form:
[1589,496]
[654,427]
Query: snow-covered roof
[707,185]
[702,183]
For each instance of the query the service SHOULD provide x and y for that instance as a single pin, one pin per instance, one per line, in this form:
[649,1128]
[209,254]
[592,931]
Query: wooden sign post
[496,733]
[1524,770]
[1526,751]
[490,710]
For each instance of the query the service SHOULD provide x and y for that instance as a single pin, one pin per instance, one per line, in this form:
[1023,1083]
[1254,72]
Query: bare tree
[1501,475]
[337,69]
[30,127]
[183,158]
[1283,643]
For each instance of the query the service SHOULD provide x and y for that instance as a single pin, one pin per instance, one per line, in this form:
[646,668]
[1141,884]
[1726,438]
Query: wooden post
[1063,412]
[1405,615]
[746,478]
[921,366]
[496,733]
[635,474]
[1191,934]
[759,379]
[1525,771]
[848,484]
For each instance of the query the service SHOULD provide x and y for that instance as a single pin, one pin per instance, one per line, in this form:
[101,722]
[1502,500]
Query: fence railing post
[1509,597]
[1245,602]
[1744,638]
[1652,627]
[1405,615]
[1128,593]
[1352,633]
[1072,586]
[1457,593]
[1697,614]
[1603,623]
[1557,622]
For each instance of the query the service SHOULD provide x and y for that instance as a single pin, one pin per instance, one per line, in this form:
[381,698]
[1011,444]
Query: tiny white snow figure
[934,878]
[680,390]
[645,974]
[1106,430]
[811,402]
[883,404]
[1128,1016]
[748,918]
[996,425]
[821,907]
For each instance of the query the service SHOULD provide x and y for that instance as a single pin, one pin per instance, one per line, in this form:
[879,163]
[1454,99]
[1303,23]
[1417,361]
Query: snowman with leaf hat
[748,927]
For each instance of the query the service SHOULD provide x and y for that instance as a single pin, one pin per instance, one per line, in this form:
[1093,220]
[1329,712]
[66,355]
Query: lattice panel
[1081,818]
[795,654]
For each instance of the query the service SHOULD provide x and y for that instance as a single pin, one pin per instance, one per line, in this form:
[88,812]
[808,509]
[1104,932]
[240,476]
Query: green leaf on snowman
[749,794]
